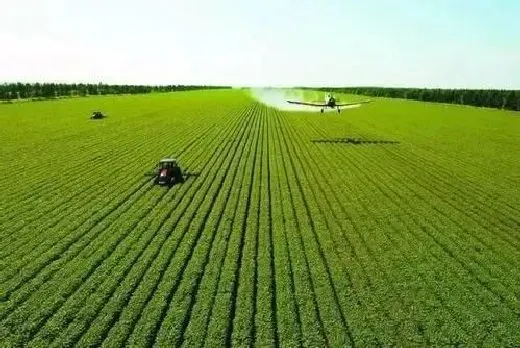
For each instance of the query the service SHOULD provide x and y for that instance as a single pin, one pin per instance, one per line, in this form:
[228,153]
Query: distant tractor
[97,115]
[169,172]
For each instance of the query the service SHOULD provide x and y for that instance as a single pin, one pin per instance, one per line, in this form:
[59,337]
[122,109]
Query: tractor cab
[168,172]
[167,163]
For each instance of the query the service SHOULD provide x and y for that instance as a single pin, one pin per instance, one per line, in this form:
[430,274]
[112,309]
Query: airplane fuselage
[331,103]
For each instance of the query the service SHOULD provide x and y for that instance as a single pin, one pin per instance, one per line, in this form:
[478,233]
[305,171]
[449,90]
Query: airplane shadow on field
[354,141]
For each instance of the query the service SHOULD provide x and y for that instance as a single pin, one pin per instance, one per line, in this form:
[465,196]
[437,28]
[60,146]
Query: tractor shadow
[186,175]
[354,141]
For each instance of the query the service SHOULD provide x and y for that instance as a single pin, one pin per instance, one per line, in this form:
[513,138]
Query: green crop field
[396,223]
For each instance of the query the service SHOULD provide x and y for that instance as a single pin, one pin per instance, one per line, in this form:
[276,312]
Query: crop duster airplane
[330,102]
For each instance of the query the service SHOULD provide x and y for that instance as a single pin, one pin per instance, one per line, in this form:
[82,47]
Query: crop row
[101,229]
[279,241]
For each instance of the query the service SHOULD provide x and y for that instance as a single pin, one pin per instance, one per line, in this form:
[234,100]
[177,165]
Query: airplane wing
[309,104]
[356,103]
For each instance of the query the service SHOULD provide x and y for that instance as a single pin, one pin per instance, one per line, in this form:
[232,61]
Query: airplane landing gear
[321,110]
[339,110]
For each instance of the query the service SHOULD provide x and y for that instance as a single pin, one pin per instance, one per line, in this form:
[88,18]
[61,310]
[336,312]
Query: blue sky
[441,43]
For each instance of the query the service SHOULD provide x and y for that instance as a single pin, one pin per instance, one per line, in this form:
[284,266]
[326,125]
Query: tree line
[492,98]
[10,91]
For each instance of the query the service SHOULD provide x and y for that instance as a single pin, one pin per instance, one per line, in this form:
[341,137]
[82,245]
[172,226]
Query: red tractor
[169,172]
